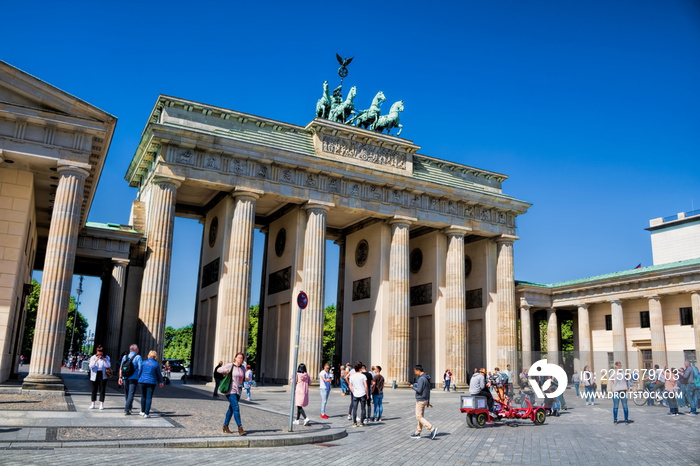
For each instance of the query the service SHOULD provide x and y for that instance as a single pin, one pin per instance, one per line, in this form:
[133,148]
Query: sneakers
[323,416]
[102,406]
[361,424]
[296,422]
[349,417]
[354,425]
[92,406]
[146,416]
[141,413]
[306,421]
[433,433]
[630,421]
[247,399]
[127,413]
[415,436]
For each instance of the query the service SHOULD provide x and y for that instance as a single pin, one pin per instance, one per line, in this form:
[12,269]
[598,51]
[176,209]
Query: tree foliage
[329,334]
[252,350]
[178,343]
[30,324]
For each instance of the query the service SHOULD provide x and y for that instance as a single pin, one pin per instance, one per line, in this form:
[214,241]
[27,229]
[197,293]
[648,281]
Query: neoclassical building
[640,317]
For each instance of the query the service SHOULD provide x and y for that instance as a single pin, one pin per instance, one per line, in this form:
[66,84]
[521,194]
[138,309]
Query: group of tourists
[133,373]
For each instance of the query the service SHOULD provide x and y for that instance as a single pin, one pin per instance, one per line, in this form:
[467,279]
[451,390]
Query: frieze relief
[361,151]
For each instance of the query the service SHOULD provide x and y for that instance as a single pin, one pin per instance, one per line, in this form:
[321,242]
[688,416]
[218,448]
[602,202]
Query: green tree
[252,350]
[30,323]
[178,343]
[329,334]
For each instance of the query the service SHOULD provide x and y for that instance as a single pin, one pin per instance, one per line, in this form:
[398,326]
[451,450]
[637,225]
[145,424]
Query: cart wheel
[540,417]
[470,421]
[480,420]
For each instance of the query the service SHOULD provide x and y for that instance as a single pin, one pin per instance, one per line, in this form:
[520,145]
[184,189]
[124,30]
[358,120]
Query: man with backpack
[129,372]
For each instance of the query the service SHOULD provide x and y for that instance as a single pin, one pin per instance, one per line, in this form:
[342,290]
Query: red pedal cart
[476,409]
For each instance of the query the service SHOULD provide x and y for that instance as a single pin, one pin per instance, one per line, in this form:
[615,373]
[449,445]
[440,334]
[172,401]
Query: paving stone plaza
[186,415]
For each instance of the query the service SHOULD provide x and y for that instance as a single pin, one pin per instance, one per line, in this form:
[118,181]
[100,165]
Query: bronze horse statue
[323,106]
[342,112]
[386,122]
[366,118]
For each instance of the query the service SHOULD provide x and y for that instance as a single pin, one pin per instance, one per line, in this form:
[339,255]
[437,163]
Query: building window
[644,319]
[686,315]
[608,322]
[611,360]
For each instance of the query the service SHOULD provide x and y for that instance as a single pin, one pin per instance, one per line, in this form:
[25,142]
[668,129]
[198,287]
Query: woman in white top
[620,386]
[99,364]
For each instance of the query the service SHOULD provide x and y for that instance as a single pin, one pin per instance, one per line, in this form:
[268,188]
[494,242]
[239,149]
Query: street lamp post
[75,314]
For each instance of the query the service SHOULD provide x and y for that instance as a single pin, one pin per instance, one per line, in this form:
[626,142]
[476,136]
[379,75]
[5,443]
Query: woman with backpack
[236,369]
[150,376]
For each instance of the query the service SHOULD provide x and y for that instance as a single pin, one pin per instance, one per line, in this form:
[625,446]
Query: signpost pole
[302,301]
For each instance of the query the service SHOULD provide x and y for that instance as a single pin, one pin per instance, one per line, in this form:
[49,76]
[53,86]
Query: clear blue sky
[590,108]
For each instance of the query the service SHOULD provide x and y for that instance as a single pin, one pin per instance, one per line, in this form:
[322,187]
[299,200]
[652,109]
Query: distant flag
[639,266]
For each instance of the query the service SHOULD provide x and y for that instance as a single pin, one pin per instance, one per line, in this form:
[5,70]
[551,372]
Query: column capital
[653,296]
[583,305]
[340,241]
[241,191]
[615,301]
[117,261]
[454,230]
[401,220]
[160,179]
[318,205]
[525,307]
[506,239]
[79,169]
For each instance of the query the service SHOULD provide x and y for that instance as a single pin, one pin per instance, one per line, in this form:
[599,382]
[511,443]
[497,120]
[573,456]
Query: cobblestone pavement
[582,434]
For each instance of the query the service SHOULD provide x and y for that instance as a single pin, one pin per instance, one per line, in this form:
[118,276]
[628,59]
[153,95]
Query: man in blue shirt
[130,381]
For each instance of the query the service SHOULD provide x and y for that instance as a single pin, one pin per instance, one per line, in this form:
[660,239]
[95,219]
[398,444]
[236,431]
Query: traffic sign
[302,300]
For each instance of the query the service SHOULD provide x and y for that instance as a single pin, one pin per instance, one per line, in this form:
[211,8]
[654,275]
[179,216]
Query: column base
[50,383]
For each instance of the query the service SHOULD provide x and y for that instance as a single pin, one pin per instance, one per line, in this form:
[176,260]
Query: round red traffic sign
[302,300]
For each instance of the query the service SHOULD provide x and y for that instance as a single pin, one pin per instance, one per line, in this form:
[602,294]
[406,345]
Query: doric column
[695,302]
[115,308]
[50,329]
[234,291]
[507,336]
[552,337]
[340,304]
[399,342]
[456,306]
[153,304]
[526,334]
[656,325]
[314,284]
[584,336]
[618,332]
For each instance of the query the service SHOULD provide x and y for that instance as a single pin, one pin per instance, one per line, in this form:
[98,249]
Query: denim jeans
[617,397]
[129,393]
[589,394]
[562,401]
[362,401]
[672,401]
[690,394]
[233,410]
[378,408]
[447,386]
[343,386]
[324,398]
[576,388]
[146,396]
[247,391]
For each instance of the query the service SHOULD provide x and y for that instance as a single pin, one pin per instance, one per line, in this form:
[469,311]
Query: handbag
[225,384]
[108,372]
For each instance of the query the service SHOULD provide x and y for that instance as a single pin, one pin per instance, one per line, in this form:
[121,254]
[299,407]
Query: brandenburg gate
[426,245]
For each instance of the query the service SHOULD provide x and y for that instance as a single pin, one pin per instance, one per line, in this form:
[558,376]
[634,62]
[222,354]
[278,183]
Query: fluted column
[552,337]
[234,291]
[399,342]
[314,284]
[584,336]
[456,306]
[52,313]
[695,303]
[526,334]
[618,332]
[153,304]
[115,307]
[656,325]
[507,336]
